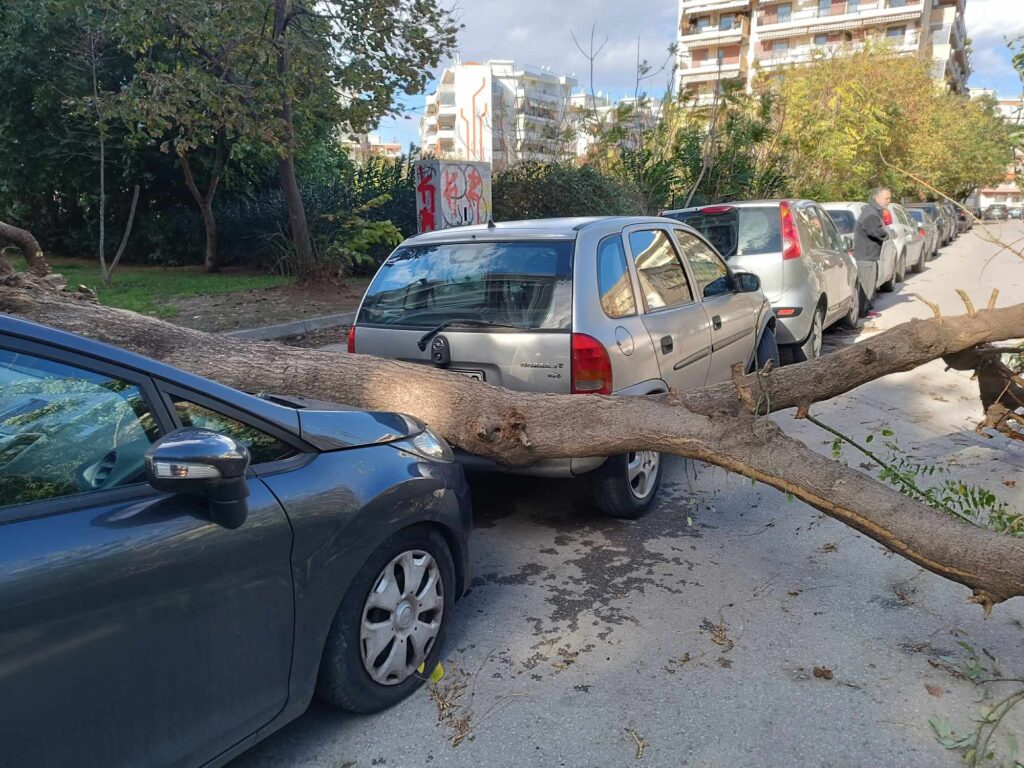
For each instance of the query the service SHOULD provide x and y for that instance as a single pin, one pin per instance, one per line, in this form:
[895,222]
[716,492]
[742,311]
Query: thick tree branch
[28,246]
[516,427]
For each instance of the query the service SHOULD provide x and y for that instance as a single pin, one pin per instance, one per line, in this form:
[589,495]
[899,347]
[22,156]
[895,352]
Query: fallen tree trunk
[29,247]
[721,424]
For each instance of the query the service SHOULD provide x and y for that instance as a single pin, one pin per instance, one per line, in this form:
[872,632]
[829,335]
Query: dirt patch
[266,306]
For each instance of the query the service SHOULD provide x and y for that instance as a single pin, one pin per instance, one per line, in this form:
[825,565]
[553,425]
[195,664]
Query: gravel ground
[729,627]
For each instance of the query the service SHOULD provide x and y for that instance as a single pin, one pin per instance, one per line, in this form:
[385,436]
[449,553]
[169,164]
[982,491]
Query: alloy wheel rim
[401,617]
[642,471]
[816,342]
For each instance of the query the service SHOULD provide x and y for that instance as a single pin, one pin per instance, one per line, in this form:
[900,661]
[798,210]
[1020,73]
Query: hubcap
[816,337]
[643,472]
[401,617]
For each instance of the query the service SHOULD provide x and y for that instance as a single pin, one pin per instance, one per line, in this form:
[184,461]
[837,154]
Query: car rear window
[744,231]
[844,220]
[525,284]
[916,215]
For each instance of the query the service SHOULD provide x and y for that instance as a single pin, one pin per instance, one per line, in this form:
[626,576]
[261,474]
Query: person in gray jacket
[868,237]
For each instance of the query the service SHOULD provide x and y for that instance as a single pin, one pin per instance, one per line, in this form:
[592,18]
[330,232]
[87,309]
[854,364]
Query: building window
[785,13]
[728,21]
[720,56]
[897,3]
[824,6]
[703,23]
[780,46]
[896,32]
[851,6]
[820,39]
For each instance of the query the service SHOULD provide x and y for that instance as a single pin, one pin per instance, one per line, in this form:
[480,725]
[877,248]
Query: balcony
[709,70]
[810,19]
[803,54]
[738,31]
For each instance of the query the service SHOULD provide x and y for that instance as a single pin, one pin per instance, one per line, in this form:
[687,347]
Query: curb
[294,328]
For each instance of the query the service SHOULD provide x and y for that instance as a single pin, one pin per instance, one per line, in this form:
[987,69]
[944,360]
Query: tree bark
[28,246]
[205,202]
[304,262]
[721,425]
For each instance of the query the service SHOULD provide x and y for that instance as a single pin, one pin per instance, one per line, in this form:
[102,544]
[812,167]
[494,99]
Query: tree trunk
[28,246]
[205,202]
[722,425]
[304,262]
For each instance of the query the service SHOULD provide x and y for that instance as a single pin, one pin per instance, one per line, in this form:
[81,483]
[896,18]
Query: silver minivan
[806,271]
[610,305]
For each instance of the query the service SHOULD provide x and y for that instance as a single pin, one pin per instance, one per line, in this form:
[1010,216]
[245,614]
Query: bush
[542,190]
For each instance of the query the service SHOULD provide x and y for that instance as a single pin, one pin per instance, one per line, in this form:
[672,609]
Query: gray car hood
[331,427]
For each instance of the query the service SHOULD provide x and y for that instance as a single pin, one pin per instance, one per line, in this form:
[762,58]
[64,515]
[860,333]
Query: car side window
[262,447]
[832,239]
[65,430]
[663,281]
[613,283]
[707,266]
[811,232]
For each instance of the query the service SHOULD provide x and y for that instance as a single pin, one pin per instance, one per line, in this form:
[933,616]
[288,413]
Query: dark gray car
[182,565]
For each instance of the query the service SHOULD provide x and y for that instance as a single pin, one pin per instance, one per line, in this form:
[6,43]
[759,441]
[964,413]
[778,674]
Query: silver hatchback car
[611,305]
[805,268]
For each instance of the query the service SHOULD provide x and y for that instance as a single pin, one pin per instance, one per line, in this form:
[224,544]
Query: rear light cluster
[351,339]
[591,366]
[790,236]
[921,232]
[887,217]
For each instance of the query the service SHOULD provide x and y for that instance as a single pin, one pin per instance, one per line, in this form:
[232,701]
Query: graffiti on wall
[452,194]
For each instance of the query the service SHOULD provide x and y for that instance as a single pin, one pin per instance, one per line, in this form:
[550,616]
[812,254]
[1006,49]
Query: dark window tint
[832,239]
[662,279]
[65,430]
[708,268]
[845,221]
[262,447]
[613,281]
[743,231]
[523,284]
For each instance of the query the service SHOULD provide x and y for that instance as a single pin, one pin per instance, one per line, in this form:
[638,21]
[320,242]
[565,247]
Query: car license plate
[478,375]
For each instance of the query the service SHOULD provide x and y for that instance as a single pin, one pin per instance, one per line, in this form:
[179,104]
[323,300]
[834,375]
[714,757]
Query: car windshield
[737,231]
[524,284]
[844,220]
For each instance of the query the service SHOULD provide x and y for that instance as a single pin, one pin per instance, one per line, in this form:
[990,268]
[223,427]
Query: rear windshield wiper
[426,337]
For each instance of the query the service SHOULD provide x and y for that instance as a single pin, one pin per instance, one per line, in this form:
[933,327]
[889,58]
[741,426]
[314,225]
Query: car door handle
[666,344]
[716,322]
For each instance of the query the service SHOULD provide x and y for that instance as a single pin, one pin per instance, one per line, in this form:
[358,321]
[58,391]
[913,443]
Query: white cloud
[989,24]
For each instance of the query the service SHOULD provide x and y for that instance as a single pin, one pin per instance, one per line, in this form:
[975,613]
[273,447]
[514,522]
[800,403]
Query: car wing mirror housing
[847,241]
[200,462]
[746,282]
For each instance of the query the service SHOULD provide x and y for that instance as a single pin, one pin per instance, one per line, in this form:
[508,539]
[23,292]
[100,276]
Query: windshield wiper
[426,337]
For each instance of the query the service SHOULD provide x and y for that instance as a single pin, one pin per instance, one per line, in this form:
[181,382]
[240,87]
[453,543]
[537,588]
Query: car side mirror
[746,282]
[200,462]
[847,241]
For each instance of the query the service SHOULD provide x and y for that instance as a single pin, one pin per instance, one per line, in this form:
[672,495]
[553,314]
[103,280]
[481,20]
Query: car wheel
[890,285]
[387,634]
[919,264]
[811,348]
[852,317]
[767,349]
[901,268]
[625,485]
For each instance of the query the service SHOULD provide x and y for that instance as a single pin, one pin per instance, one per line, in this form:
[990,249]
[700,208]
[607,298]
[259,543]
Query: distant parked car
[942,219]
[997,212]
[929,227]
[623,305]
[965,219]
[885,271]
[806,270]
[910,240]
[951,212]
[183,565]
[1015,213]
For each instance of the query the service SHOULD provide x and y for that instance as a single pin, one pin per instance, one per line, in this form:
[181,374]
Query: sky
[539,32]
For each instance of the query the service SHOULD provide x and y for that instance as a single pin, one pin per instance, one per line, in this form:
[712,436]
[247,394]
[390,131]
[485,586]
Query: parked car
[183,565]
[941,216]
[930,228]
[1015,213]
[623,305]
[910,240]
[965,219]
[997,212]
[885,271]
[954,225]
[806,269]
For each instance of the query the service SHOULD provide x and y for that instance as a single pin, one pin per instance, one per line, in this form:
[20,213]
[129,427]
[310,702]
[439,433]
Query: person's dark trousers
[868,272]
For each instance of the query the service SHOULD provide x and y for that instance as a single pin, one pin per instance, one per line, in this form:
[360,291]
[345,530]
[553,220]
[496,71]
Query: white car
[845,216]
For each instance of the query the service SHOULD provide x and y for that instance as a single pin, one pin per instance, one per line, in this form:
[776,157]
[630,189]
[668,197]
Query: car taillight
[591,366]
[351,338]
[790,236]
[887,217]
[921,232]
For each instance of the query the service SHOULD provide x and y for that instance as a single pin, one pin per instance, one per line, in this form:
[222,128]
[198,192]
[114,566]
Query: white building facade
[498,112]
[735,39]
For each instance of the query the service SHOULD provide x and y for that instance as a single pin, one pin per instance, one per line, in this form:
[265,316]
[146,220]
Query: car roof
[848,204]
[562,228]
[15,326]
[741,204]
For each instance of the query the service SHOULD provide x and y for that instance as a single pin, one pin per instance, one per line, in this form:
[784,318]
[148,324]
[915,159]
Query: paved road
[583,635]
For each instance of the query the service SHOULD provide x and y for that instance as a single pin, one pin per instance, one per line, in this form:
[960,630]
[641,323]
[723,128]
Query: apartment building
[498,112]
[1009,191]
[734,40]
[603,113]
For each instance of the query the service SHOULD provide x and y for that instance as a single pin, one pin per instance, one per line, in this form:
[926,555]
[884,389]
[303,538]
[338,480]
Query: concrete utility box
[452,193]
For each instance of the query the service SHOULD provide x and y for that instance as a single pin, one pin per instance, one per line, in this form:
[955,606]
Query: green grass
[148,289]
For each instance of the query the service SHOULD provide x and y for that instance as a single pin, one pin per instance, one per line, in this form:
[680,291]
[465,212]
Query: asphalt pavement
[730,626]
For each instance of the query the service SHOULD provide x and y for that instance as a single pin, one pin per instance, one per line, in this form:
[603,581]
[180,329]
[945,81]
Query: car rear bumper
[795,329]
[556,468]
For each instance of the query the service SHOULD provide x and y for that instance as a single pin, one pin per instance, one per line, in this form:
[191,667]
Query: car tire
[344,679]
[618,489]
[852,318]
[811,346]
[767,349]
[890,285]
[919,264]
[901,268]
